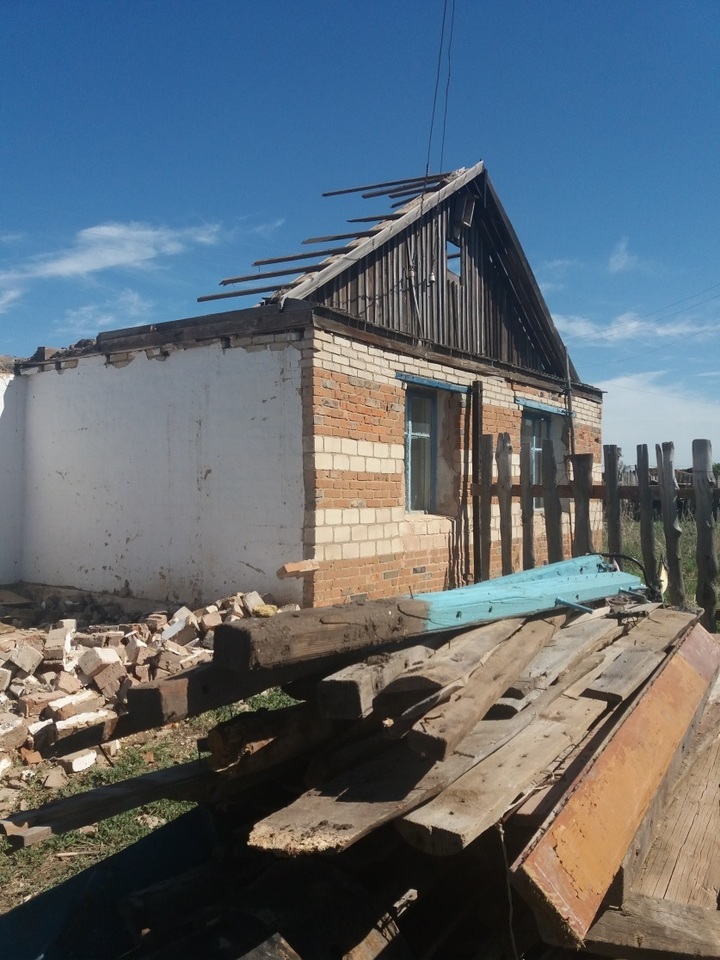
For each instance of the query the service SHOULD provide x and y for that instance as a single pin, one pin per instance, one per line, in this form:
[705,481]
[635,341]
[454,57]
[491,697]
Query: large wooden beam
[568,868]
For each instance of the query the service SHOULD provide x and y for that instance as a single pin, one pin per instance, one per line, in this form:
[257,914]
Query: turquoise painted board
[579,581]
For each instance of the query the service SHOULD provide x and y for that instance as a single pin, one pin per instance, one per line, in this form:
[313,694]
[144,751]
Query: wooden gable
[446,269]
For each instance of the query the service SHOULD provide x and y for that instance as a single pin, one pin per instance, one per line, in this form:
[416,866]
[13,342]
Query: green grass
[25,873]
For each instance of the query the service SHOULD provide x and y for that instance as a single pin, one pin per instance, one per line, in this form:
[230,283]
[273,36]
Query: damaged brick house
[332,423]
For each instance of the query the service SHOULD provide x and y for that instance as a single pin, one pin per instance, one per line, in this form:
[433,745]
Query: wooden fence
[652,492]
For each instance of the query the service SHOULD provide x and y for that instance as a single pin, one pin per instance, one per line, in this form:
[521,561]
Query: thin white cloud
[110,246]
[9,297]
[629,326]
[128,309]
[654,407]
[621,260]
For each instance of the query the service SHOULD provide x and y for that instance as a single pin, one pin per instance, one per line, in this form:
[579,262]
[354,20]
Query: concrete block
[65,682]
[57,644]
[134,648]
[211,620]
[42,734]
[80,760]
[26,659]
[181,631]
[5,764]
[5,678]
[65,727]
[251,601]
[13,731]
[96,659]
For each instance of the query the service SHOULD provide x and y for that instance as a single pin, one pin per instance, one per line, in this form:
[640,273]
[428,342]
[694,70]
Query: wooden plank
[527,506]
[453,662]
[650,929]
[331,634]
[626,673]
[503,458]
[437,734]
[486,479]
[192,780]
[477,429]
[478,799]
[349,693]
[331,818]
[612,499]
[671,524]
[551,503]
[568,868]
[683,862]
[274,948]
[705,553]
[582,464]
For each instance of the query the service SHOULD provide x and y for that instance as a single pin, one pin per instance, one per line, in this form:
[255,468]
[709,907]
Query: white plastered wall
[11,476]
[183,476]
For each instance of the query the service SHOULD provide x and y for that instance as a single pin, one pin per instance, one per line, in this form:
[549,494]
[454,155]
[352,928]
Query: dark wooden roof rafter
[498,311]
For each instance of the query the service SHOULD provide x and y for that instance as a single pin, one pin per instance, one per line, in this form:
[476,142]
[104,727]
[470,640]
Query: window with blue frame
[420,449]
[534,429]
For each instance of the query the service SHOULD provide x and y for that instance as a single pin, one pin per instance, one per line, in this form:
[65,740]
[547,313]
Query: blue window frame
[534,429]
[420,449]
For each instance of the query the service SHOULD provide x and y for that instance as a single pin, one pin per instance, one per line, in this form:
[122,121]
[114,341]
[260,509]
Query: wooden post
[671,524]
[612,499]
[503,457]
[486,461]
[582,464]
[647,524]
[551,503]
[705,553]
[476,408]
[527,506]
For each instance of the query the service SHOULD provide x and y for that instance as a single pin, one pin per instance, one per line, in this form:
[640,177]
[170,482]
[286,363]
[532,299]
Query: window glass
[534,429]
[420,450]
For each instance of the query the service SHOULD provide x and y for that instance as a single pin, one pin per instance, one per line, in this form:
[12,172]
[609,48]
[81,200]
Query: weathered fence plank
[705,553]
[582,464]
[527,506]
[671,524]
[486,460]
[612,499]
[503,458]
[551,503]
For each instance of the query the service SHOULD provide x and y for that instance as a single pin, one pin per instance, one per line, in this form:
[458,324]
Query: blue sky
[152,147]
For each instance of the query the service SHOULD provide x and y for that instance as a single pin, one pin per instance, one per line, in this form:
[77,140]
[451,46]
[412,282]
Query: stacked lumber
[507,787]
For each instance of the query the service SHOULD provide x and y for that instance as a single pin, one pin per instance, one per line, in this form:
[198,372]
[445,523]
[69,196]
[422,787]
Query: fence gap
[647,515]
[705,553]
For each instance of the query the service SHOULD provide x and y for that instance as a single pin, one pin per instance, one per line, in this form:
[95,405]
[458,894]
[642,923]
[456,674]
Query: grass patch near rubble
[26,873]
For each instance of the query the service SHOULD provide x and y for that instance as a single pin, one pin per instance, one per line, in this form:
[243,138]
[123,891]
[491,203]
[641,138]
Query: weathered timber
[349,807]
[625,674]
[476,401]
[275,947]
[188,781]
[453,662]
[582,464]
[503,458]
[671,524]
[681,860]
[551,503]
[296,729]
[705,552]
[567,869]
[341,631]
[612,499]
[349,693]
[437,734]
[645,928]
[478,799]
[527,506]
[486,479]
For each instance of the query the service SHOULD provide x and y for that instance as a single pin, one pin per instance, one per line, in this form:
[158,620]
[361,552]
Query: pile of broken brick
[59,673]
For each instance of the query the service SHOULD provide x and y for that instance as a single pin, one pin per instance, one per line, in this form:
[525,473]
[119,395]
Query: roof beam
[335,251]
[272,273]
[389,183]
